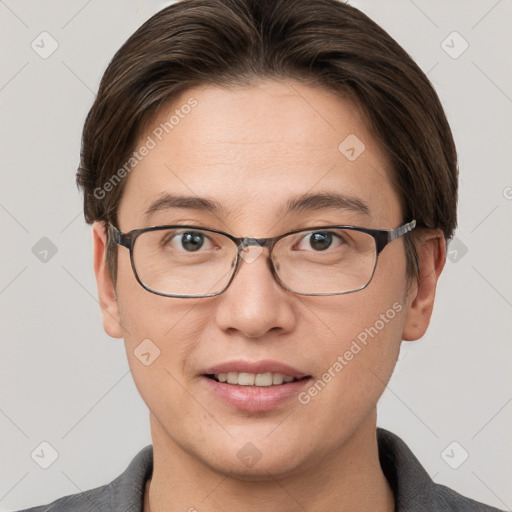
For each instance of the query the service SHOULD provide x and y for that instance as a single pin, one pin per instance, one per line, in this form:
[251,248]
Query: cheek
[143,314]
[160,336]
[356,368]
[359,350]
[379,314]
[160,342]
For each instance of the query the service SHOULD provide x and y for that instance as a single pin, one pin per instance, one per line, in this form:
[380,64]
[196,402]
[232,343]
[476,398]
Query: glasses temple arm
[393,234]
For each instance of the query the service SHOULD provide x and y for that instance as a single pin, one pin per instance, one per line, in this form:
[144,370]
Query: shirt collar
[412,487]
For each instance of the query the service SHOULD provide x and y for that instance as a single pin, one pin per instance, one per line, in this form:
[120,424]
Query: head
[249,104]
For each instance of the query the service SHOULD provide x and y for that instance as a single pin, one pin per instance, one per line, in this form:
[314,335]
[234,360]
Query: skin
[250,149]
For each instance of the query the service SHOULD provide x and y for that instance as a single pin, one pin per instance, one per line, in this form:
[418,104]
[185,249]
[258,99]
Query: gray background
[64,381]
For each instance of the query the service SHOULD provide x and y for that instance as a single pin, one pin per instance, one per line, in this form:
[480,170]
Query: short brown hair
[237,42]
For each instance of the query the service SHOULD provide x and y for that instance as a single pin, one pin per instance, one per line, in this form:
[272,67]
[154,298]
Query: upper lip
[264,366]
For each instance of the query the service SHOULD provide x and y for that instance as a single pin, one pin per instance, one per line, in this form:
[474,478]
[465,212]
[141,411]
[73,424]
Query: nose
[255,303]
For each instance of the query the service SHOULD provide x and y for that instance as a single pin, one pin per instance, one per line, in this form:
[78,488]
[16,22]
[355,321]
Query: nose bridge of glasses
[259,242]
[250,255]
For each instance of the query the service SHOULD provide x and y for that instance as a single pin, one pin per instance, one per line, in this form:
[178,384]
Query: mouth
[267,379]
[255,386]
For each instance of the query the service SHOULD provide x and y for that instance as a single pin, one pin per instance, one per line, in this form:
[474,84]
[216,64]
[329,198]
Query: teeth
[277,378]
[263,379]
[246,379]
[232,378]
[254,379]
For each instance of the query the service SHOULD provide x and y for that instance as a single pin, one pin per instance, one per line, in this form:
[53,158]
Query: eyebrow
[168,201]
[323,201]
[301,204]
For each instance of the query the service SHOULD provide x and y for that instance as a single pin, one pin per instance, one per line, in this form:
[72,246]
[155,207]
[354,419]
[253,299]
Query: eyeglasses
[190,261]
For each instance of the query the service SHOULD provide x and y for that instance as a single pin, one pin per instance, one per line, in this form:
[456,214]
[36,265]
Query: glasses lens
[184,261]
[196,262]
[328,261]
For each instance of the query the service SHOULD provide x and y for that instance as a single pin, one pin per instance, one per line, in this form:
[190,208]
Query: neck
[351,479]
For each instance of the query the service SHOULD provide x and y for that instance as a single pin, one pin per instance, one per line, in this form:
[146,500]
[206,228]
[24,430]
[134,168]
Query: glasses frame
[382,238]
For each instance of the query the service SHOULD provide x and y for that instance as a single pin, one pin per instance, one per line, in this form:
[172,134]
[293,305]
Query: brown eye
[189,241]
[320,241]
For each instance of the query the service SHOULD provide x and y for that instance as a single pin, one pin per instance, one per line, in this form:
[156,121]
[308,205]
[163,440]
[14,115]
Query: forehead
[252,149]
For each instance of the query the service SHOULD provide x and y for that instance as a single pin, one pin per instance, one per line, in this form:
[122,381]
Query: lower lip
[255,398]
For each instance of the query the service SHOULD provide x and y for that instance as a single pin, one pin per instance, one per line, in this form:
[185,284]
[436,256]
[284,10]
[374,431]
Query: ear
[106,288]
[431,249]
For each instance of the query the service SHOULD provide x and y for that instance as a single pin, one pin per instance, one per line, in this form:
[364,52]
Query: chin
[265,469]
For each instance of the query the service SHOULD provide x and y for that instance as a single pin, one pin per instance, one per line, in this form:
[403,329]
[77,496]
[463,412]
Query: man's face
[251,150]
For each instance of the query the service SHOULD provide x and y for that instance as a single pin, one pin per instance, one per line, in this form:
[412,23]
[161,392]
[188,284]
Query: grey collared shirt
[412,487]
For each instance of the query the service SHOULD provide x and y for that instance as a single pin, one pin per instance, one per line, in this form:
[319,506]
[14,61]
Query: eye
[190,241]
[321,241]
